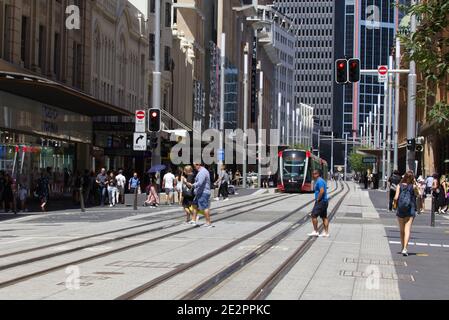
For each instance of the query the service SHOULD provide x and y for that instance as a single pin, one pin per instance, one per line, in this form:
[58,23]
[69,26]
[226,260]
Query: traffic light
[341,71]
[354,70]
[419,144]
[154,120]
[411,144]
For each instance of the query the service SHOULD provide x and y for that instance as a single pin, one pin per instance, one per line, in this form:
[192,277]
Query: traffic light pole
[156,154]
[411,105]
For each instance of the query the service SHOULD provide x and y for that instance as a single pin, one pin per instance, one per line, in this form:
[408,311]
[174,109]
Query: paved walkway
[354,263]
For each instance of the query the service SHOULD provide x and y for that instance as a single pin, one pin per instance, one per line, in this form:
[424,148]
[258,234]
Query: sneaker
[313,234]
[111,205]
[227,199]
[217,199]
[324,235]
[404,253]
[208,226]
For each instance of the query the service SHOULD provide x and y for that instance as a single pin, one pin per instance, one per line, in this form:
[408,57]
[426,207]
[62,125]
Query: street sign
[382,73]
[140,141]
[140,121]
[369,160]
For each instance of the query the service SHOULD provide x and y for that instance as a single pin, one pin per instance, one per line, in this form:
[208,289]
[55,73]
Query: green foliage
[300,147]
[429,48]
[356,162]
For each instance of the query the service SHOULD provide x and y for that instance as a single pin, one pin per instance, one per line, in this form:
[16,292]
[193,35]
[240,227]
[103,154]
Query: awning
[46,91]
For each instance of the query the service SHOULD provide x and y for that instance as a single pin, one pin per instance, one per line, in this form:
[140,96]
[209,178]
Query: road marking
[436,245]
[16,240]
[422,255]
[422,244]
[445,246]
[395,242]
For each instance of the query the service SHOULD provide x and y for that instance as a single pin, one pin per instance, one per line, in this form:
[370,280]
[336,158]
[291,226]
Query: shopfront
[36,137]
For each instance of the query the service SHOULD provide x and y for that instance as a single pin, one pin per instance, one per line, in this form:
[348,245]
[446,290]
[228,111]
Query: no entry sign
[383,73]
[140,121]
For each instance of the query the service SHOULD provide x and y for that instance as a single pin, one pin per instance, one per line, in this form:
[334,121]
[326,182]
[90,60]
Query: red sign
[140,115]
[383,70]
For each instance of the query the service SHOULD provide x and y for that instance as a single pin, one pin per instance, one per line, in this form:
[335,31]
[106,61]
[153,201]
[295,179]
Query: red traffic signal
[154,120]
[341,71]
[354,70]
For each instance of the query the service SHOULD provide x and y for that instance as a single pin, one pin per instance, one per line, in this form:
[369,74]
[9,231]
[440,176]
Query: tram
[295,170]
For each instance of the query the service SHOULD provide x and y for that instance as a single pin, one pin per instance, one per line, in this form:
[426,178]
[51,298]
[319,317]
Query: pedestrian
[188,194]
[422,195]
[43,190]
[23,195]
[76,188]
[321,205]
[112,189]
[405,200]
[168,182]
[222,184]
[134,183]
[179,182]
[393,182]
[443,205]
[102,185]
[202,194]
[92,196]
[429,184]
[152,194]
[237,178]
[121,182]
[85,183]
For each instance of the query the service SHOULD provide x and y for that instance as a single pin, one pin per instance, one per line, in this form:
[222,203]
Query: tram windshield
[294,166]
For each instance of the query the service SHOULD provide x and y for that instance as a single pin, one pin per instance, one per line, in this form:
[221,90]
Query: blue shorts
[202,201]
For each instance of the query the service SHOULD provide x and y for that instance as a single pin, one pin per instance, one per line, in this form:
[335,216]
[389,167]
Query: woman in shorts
[187,193]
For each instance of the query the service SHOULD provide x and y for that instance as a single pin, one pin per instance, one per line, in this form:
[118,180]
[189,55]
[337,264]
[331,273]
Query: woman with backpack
[405,200]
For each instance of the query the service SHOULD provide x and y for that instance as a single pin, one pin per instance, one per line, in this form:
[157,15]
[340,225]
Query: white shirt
[169,178]
[23,194]
[121,180]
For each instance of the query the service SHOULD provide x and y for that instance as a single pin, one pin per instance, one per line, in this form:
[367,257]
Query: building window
[167,15]
[167,62]
[41,47]
[151,46]
[24,41]
[152,6]
[57,56]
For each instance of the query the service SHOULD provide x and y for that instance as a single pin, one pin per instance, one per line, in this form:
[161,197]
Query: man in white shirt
[121,181]
[168,184]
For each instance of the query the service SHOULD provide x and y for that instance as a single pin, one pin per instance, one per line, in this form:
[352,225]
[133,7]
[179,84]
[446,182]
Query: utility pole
[370,127]
[279,115]
[222,98]
[384,137]
[396,106]
[288,123]
[411,107]
[245,115]
[156,154]
[346,155]
[379,138]
[319,143]
[332,154]
[259,127]
[390,114]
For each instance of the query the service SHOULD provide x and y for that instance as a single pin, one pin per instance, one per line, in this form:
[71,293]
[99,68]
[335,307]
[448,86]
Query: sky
[141,5]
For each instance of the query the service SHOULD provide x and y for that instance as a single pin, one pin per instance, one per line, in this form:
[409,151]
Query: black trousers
[223,191]
[390,203]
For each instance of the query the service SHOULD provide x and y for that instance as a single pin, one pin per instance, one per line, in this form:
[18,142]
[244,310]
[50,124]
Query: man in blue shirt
[202,194]
[320,207]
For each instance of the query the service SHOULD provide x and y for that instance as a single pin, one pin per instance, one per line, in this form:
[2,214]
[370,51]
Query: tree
[429,48]
[356,162]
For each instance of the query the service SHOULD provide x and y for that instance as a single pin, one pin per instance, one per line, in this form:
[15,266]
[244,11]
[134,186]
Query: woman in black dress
[43,190]
[187,194]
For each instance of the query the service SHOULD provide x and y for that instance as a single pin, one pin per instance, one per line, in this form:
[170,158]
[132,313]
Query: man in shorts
[321,205]
[202,194]
[121,182]
[169,187]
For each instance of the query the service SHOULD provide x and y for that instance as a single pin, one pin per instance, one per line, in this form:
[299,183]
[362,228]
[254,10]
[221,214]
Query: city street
[259,248]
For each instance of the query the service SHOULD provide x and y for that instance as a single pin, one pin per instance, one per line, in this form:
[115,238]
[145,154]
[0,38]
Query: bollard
[83,209]
[432,213]
[135,199]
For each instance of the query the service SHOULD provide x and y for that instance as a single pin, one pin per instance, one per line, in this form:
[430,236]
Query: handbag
[186,192]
